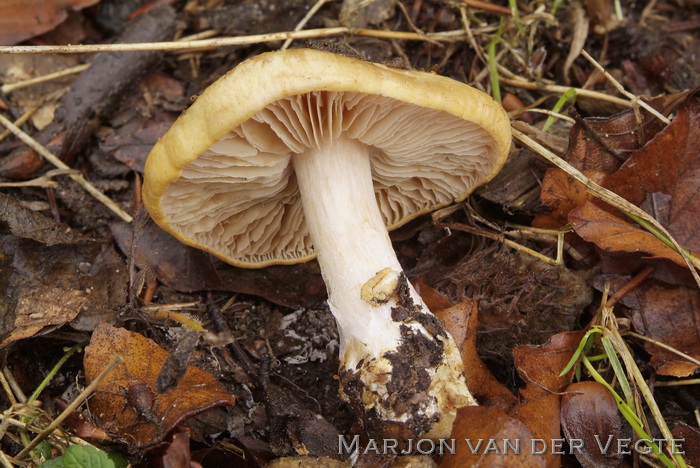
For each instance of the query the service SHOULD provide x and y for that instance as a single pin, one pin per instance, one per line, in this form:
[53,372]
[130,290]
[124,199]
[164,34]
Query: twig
[53,159]
[5,460]
[22,119]
[664,346]
[43,181]
[312,11]
[676,383]
[635,99]
[629,286]
[603,193]
[557,89]
[8,88]
[447,36]
[70,408]
[21,397]
[488,6]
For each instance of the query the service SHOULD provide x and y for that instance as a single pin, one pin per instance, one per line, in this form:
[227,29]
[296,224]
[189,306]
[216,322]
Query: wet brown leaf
[22,19]
[562,193]
[604,143]
[540,366]
[483,436]
[29,224]
[80,424]
[175,453]
[669,164]
[43,287]
[691,443]
[125,403]
[44,309]
[670,315]
[589,417]
[461,321]
[187,269]
[614,234]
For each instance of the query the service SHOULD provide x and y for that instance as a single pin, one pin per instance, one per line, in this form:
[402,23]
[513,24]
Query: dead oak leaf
[669,164]
[125,403]
[461,321]
[614,234]
[487,437]
[562,193]
[540,367]
[669,315]
[20,20]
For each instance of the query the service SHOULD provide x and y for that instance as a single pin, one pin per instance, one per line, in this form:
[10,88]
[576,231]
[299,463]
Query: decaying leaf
[43,287]
[614,234]
[486,437]
[691,442]
[125,403]
[669,315]
[604,143]
[29,224]
[669,164]
[561,193]
[44,309]
[187,269]
[20,20]
[461,321]
[590,420]
[540,367]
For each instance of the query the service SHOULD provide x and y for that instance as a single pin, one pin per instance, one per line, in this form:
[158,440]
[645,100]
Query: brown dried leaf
[483,435]
[187,269]
[175,452]
[691,443]
[589,417]
[44,309]
[540,366]
[125,403]
[670,315]
[22,19]
[614,234]
[562,193]
[604,143]
[42,286]
[669,164]
[461,321]
[29,224]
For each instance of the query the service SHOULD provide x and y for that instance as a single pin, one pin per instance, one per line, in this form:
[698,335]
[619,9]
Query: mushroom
[302,153]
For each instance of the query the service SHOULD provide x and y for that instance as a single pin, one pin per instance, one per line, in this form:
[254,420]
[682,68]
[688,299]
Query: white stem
[350,238]
[400,370]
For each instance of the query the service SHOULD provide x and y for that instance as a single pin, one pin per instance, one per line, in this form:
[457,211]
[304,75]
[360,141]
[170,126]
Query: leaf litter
[513,317]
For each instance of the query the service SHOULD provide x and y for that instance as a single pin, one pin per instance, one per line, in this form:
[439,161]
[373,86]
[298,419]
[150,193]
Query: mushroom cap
[221,178]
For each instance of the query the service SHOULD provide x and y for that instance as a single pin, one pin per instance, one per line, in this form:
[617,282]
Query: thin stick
[72,407]
[603,193]
[664,346]
[22,120]
[557,89]
[635,99]
[447,36]
[676,383]
[8,88]
[5,461]
[630,285]
[312,11]
[21,397]
[53,159]
[487,6]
